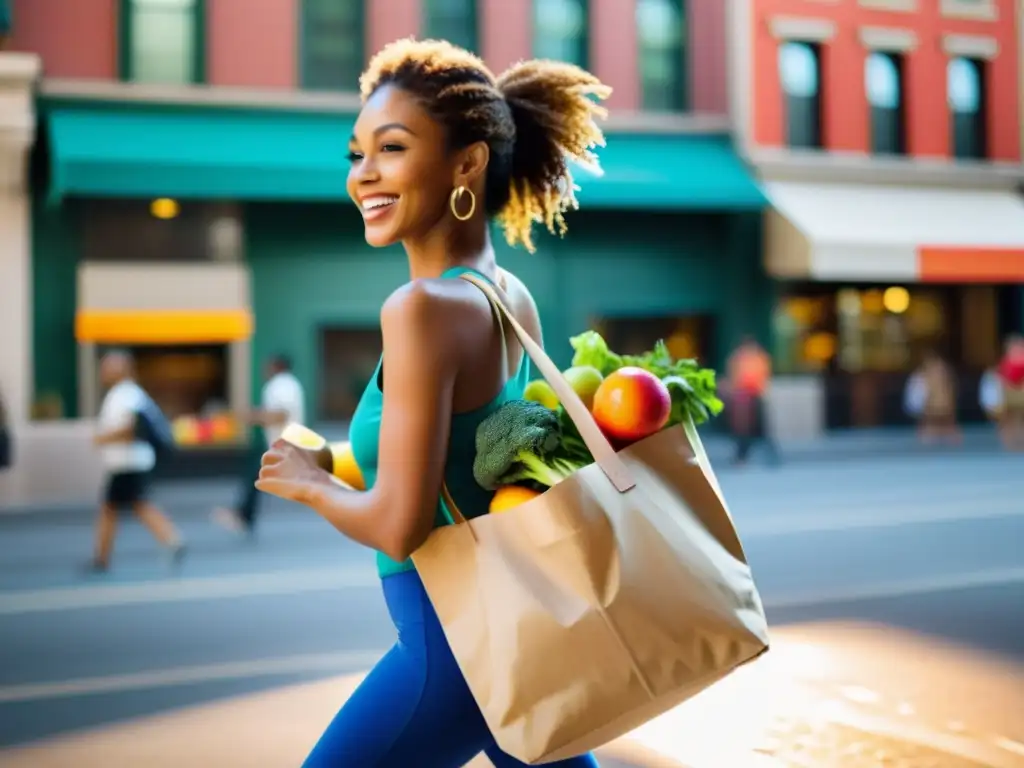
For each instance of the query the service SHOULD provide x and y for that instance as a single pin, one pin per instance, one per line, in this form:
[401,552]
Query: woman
[440,146]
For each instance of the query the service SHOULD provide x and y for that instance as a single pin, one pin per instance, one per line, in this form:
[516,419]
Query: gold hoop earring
[456,195]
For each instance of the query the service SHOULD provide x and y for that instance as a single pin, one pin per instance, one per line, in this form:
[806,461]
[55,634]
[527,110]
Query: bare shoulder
[428,313]
[522,304]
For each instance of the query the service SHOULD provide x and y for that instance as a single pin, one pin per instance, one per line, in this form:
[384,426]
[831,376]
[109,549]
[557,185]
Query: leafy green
[693,388]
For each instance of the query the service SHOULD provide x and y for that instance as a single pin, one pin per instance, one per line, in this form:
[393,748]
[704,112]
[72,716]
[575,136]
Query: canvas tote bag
[604,602]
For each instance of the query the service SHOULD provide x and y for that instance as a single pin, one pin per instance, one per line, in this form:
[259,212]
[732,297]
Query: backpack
[152,426]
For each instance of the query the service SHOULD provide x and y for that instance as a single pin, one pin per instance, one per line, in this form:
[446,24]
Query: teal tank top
[364,434]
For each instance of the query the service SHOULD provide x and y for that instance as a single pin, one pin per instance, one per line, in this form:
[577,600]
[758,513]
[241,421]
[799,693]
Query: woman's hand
[290,472]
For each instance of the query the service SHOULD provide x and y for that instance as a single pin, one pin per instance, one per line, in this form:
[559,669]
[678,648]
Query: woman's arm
[420,363]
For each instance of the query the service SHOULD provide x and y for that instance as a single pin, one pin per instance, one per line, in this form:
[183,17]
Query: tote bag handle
[604,454]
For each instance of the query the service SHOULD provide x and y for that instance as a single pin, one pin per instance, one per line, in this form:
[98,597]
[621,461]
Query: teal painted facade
[311,267]
[55,256]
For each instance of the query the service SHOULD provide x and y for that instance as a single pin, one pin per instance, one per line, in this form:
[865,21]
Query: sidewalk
[826,696]
[850,445]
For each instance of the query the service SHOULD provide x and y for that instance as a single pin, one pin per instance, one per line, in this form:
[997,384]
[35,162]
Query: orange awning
[113,326]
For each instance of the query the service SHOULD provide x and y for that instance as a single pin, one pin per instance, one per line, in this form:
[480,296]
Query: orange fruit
[345,467]
[631,404]
[509,496]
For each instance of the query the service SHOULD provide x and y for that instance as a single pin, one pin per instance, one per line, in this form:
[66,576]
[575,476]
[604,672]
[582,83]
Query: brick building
[186,197]
[887,134]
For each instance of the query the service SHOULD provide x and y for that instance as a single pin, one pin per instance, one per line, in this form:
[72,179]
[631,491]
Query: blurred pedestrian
[281,402]
[748,377]
[930,397]
[128,461]
[6,439]
[1011,375]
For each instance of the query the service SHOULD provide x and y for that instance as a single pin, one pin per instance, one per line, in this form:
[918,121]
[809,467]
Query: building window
[163,41]
[661,32]
[965,94]
[560,30]
[800,73]
[451,20]
[883,81]
[332,44]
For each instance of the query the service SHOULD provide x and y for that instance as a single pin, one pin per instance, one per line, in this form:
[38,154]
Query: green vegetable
[692,387]
[522,441]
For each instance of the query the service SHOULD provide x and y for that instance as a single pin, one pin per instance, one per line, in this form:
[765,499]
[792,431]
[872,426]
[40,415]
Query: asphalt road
[930,543]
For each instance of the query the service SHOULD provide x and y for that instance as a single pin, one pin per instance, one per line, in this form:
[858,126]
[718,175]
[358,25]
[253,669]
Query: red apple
[631,404]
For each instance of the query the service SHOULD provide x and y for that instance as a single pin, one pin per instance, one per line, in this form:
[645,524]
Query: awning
[109,326]
[197,152]
[669,172]
[204,152]
[872,233]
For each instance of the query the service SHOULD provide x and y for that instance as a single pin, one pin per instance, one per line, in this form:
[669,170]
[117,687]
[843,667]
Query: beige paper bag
[604,602]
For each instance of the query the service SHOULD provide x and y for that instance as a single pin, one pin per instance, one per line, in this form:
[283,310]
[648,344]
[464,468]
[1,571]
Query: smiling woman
[441,146]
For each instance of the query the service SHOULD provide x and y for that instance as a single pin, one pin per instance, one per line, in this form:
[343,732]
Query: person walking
[440,147]
[749,374]
[128,462]
[1011,376]
[931,399]
[282,401]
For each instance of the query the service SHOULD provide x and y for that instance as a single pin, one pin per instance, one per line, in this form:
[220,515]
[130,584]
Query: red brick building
[887,135]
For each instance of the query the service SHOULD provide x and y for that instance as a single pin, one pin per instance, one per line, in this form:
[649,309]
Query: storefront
[873,277]
[208,238]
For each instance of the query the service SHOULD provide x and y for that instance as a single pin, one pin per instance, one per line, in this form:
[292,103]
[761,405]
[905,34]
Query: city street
[905,573]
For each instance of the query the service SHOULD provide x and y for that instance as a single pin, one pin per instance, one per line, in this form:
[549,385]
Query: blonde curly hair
[534,117]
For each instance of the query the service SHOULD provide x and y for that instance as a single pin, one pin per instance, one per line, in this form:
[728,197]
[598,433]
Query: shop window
[190,384]
[163,41]
[348,358]
[800,74]
[560,30]
[131,231]
[451,20]
[333,48]
[661,33]
[965,95]
[883,82]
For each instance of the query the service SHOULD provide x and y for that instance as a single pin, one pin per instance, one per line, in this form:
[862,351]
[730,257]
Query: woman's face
[401,175]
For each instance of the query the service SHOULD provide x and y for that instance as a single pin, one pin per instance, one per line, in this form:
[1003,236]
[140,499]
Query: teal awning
[202,152]
[130,151]
[669,172]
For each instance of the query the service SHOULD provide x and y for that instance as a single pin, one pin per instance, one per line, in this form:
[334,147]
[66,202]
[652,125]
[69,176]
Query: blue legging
[414,708]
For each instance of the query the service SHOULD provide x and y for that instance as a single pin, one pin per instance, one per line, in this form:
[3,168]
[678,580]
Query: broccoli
[521,441]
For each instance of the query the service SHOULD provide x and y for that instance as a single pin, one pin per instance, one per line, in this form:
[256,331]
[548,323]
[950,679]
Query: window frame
[815,46]
[898,61]
[684,95]
[584,43]
[126,9]
[475,25]
[303,46]
[979,118]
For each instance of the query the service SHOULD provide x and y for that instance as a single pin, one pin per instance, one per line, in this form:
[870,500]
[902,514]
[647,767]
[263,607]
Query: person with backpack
[132,432]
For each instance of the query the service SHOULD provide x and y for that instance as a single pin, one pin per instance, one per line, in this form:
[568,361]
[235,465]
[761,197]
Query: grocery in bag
[584,610]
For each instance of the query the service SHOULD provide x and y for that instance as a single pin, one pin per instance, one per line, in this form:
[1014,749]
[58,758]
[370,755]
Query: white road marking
[995,577]
[289,582]
[828,518]
[341,662]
